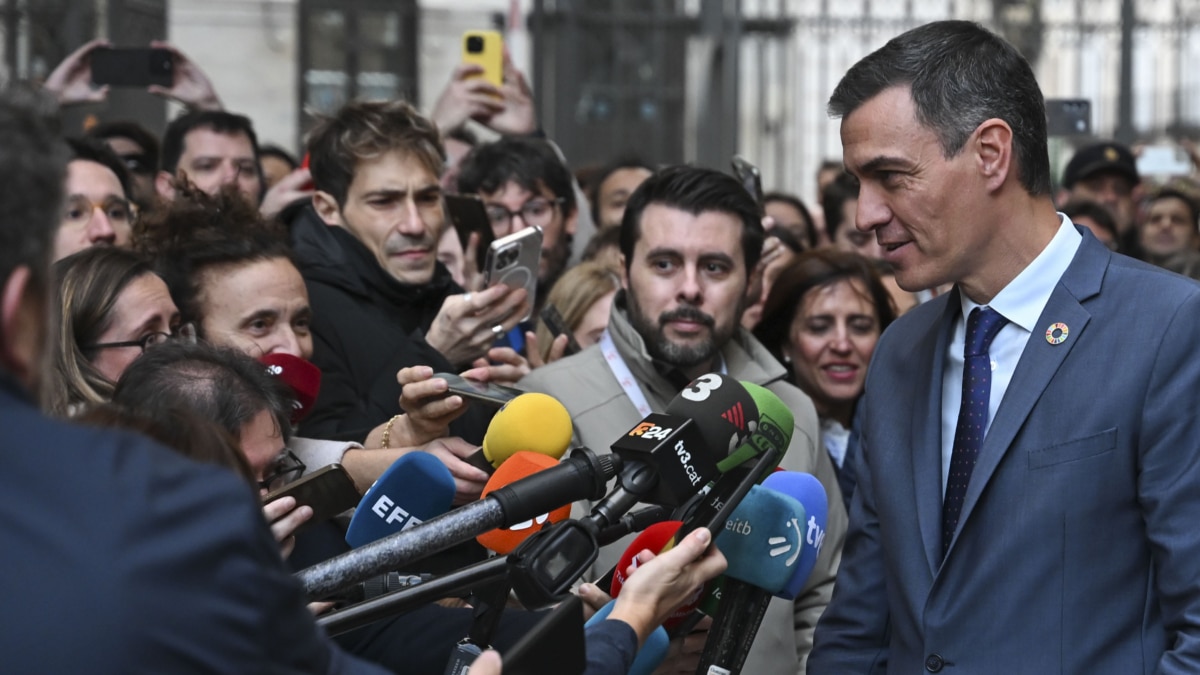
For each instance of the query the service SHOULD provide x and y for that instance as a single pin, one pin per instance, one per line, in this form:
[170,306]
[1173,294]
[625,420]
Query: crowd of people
[966,531]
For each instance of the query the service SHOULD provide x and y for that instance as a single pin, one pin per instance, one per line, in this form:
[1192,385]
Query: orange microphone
[517,466]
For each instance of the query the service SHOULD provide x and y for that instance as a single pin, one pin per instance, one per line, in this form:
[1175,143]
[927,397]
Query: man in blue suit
[1029,478]
[119,556]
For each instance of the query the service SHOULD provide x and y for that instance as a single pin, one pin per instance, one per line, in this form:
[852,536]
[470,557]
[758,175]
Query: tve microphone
[747,592]
[584,475]
[414,488]
[653,651]
[519,465]
[529,423]
[807,490]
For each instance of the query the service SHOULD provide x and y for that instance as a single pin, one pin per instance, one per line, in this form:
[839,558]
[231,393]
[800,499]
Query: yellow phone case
[485,48]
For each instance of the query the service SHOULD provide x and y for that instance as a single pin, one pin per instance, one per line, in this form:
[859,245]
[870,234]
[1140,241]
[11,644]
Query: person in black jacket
[386,313]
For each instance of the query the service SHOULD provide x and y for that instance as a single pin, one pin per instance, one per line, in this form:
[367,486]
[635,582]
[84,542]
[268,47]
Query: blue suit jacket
[1078,548]
[118,556]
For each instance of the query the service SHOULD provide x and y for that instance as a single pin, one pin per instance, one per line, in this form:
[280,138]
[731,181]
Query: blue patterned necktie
[982,326]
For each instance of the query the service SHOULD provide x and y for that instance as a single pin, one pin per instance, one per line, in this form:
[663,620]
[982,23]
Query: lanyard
[621,371]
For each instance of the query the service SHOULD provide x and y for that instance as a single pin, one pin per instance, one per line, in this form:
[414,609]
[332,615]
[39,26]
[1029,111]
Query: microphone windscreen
[519,465]
[653,651]
[807,490]
[721,407]
[303,377]
[654,538]
[528,423]
[414,489]
[763,539]
[774,427]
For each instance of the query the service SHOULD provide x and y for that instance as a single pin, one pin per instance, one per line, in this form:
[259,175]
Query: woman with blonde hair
[583,296]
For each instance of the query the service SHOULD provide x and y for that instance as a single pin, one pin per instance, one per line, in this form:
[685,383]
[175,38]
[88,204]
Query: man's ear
[164,185]
[22,326]
[327,208]
[994,148]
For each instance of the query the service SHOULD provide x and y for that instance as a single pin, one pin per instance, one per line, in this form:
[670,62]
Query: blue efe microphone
[414,488]
[806,489]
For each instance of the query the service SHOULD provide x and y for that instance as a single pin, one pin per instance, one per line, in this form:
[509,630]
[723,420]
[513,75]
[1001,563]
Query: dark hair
[694,190]
[810,228]
[1097,212]
[178,429]
[1187,199]
[602,239]
[365,130]
[280,154]
[196,232]
[88,285]
[135,132]
[596,180]
[220,121]
[92,150]
[524,161]
[959,75]
[840,190]
[809,271]
[217,383]
[33,165]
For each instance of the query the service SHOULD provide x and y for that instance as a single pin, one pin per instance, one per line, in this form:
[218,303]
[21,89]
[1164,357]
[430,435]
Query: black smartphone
[554,321]
[1068,117]
[554,646]
[132,66]
[328,490]
[468,215]
[494,395]
[748,175]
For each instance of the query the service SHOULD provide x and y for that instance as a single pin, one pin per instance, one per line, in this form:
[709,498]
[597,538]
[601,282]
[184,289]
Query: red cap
[303,377]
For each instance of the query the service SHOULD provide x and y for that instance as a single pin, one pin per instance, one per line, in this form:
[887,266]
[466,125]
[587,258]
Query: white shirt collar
[1025,297]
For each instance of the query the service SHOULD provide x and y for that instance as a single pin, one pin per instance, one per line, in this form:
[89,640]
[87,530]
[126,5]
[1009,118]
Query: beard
[662,348]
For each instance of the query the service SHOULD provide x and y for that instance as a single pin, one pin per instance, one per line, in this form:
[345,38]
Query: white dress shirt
[1022,302]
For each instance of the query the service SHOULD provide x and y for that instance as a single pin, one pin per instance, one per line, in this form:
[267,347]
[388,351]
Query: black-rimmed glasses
[286,468]
[186,332]
[534,213]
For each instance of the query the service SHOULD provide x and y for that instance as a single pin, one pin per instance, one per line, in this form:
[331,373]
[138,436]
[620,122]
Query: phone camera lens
[475,44]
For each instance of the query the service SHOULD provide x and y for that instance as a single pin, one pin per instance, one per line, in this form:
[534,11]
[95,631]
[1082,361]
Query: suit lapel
[926,433]
[1039,363]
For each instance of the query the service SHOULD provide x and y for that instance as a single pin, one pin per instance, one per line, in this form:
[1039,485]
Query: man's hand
[293,187]
[71,80]
[466,96]
[428,411]
[467,325]
[190,86]
[284,517]
[508,370]
[518,116]
[468,480]
[558,348]
[488,663]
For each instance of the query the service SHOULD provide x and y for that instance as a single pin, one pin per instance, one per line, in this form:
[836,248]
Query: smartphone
[485,48]
[554,321]
[513,261]
[494,395]
[132,66]
[328,490]
[554,646]
[748,175]
[468,215]
[1068,117]
[1163,160]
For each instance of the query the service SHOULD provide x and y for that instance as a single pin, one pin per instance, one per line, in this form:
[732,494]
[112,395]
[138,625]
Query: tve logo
[816,535]
[391,513]
[650,431]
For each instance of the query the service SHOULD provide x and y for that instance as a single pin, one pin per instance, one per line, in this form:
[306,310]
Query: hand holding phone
[132,66]
[557,326]
[328,490]
[490,394]
[514,261]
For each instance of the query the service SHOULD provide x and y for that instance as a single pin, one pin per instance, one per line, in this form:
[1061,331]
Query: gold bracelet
[387,431]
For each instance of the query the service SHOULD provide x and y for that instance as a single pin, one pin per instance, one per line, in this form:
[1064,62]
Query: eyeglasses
[186,332]
[285,469]
[534,213]
[81,210]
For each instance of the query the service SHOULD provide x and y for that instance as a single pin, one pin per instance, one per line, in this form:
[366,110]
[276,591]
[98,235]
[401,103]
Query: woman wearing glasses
[112,307]
[98,210]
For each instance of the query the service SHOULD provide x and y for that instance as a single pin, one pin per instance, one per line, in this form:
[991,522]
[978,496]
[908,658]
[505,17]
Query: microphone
[516,467]
[301,376]
[764,539]
[529,423]
[752,577]
[582,476]
[806,489]
[414,488]
[656,538]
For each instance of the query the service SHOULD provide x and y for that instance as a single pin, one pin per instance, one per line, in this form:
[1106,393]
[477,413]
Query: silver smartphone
[513,261]
[494,395]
